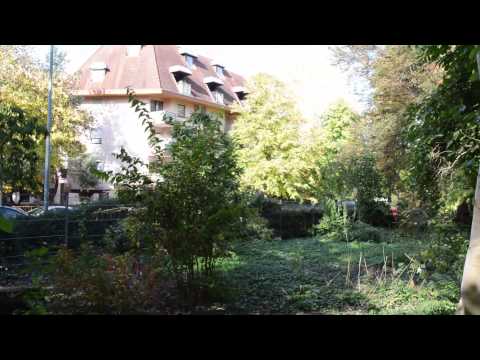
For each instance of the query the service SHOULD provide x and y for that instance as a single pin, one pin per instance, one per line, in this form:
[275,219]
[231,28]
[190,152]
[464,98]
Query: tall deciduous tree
[324,152]
[24,84]
[266,132]
[396,81]
[18,154]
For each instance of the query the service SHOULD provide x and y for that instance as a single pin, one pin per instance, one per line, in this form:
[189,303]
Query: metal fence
[86,222]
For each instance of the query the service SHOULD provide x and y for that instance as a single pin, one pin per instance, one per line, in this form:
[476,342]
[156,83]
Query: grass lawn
[323,276]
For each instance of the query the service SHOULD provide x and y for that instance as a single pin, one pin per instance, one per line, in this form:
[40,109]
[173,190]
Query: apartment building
[169,78]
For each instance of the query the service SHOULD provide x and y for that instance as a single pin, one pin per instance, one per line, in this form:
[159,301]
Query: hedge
[290,219]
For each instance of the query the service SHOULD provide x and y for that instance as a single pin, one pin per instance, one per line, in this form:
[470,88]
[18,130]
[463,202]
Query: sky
[306,69]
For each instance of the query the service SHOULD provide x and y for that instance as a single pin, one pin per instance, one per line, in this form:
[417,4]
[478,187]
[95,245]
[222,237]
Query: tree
[24,84]
[189,196]
[19,134]
[396,81]
[324,152]
[266,132]
[83,168]
[444,133]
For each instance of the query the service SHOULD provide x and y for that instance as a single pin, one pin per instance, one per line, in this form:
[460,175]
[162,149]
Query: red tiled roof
[150,70]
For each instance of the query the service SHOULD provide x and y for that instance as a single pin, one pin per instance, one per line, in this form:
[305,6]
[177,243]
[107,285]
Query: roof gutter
[115,92]
[170,94]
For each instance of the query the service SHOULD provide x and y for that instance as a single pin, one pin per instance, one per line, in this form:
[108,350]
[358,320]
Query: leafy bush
[361,231]
[88,282]
[375,213]
[290,220]
[333,223]
[190,200]
[414,219]
[257,228]
[446,251]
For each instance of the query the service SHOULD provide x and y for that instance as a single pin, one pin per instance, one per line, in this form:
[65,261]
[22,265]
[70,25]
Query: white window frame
[179,114]
[95,136]
[153,105]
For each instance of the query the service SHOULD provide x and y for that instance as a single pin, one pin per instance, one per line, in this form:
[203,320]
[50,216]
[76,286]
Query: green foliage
[334,223]
[24,86]
[93,283]
[190,202]
[266,134]
[446,251]
[324,154]
[83,168]
[309,276]
[364,178]
[394,82]
[19,134]
[6,225]
[361,231]
[289,219]
[414,219]
[444,132]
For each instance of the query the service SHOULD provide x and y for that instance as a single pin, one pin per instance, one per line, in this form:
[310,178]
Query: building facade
[168,78]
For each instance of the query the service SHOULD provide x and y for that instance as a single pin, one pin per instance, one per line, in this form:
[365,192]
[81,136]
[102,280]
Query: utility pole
[46,188]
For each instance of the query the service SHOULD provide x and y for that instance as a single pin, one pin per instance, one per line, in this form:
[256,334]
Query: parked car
[8,212]
[53,209]
[350,206]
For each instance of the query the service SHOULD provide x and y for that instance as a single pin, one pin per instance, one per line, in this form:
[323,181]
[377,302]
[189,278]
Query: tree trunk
[470,290]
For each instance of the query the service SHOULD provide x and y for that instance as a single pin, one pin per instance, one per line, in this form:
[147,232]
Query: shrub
[292,220]
[363,232]
[333,223]
[191,204]
[414,219]
[375,213]
[257,228]
[446,251]
[287,219]
[102,283]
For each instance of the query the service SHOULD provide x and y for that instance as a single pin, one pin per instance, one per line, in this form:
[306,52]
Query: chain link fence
[60,226]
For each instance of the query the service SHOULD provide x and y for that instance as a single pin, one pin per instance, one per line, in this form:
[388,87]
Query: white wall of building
[118,126]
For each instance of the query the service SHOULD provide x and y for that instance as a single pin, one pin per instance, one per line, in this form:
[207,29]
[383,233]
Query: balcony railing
[158,116]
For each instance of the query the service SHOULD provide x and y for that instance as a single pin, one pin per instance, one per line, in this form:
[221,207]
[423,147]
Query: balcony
[158,116]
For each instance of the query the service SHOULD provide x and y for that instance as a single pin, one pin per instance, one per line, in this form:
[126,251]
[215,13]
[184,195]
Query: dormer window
[180,73]
[218,70]
[218,96]
[189,61]
[241,92]
[98,71]
[184,87]
[214,84]
[189,56]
